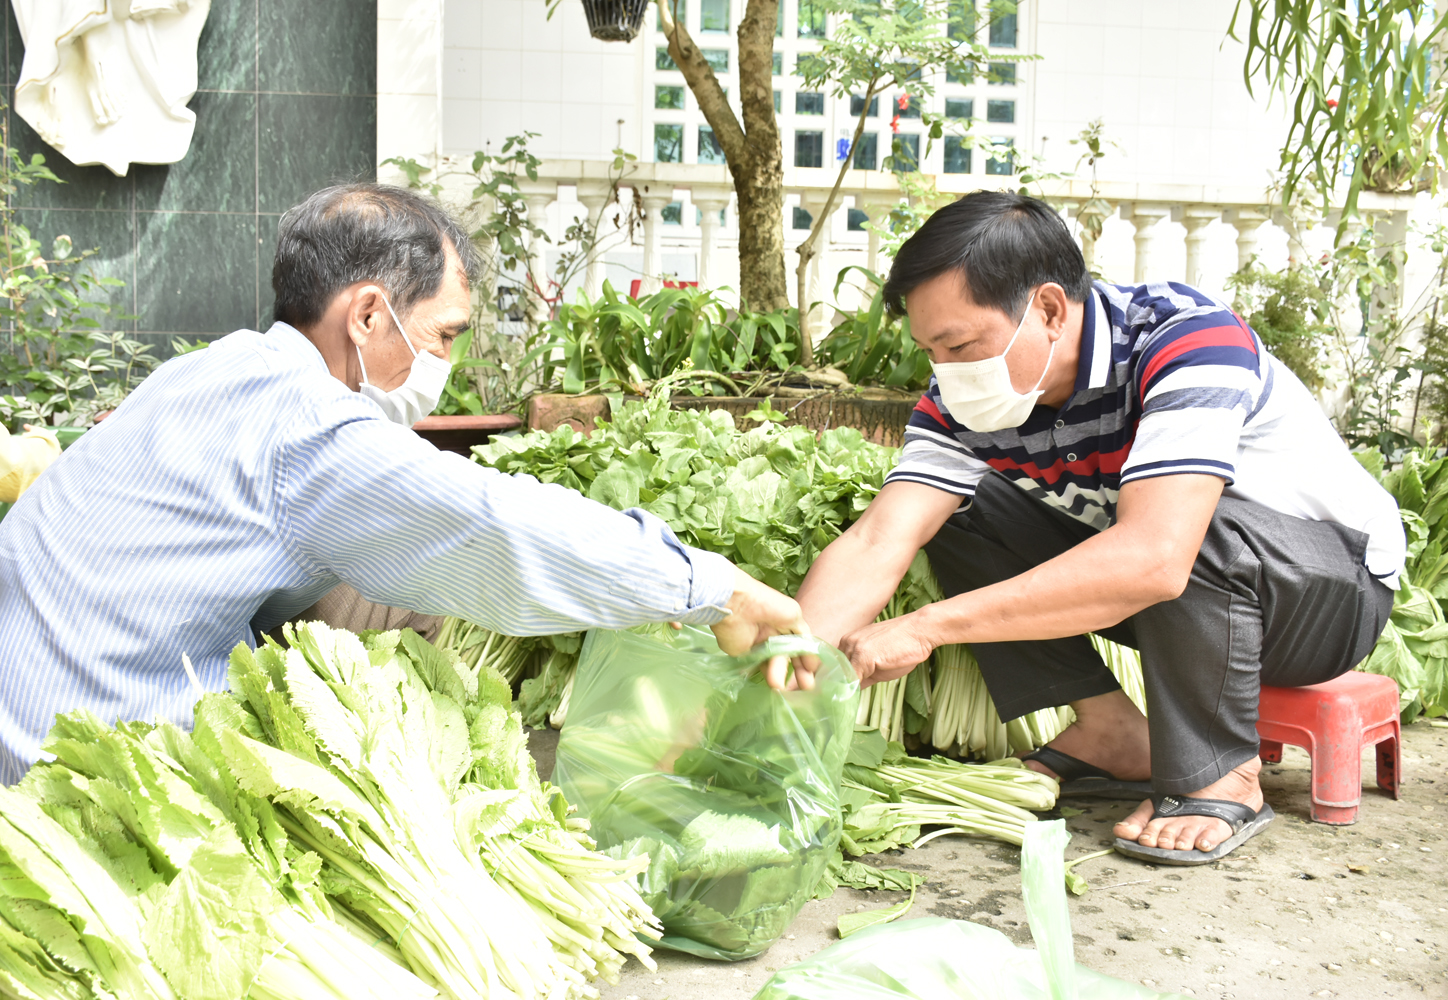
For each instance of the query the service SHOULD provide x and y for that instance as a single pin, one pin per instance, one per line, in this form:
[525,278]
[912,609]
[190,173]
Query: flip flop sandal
[1080,779]
[1245,825]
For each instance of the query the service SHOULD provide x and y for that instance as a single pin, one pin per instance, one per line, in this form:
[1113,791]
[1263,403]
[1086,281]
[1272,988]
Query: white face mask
[418,396]
[979,394]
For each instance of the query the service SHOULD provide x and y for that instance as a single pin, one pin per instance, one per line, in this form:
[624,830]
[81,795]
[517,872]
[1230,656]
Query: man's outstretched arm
[855,576]
[1143,559]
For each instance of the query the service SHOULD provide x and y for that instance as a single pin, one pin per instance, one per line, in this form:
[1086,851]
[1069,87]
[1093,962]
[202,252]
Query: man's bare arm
[857,573]
[1143,559]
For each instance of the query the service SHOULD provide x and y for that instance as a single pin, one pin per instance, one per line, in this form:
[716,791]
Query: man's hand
[756,612]
[886,650]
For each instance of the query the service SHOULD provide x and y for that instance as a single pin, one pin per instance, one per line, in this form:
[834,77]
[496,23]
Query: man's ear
[364,314]
[1055,307]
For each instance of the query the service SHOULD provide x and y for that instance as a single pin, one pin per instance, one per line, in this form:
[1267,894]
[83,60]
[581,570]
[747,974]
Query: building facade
[1162,76]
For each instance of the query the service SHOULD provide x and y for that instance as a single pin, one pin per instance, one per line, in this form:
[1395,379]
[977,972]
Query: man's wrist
[932,625]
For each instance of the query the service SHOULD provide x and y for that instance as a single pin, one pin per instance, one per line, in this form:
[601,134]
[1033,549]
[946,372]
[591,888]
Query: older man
[1124,460]
[241,483]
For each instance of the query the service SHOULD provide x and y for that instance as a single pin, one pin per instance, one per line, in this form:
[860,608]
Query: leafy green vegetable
[1413,649]
[858,875]
[850,923]
[674,750]
[769,498]
[888,796]
[359,819]
[61,896]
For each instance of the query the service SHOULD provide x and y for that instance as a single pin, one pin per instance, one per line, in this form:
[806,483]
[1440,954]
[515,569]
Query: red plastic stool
[1333,722]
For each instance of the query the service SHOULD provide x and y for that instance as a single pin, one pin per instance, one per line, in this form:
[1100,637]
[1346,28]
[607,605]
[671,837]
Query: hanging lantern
[615,20]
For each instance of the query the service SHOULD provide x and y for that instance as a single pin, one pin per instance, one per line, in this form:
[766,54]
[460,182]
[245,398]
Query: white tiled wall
[507,69]
[409,83]
[1166,80]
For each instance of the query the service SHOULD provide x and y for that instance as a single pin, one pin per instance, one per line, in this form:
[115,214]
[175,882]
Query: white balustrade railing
[1163,220]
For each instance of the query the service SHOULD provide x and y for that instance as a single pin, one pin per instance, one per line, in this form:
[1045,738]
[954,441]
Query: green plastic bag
[675,750]
[937,959]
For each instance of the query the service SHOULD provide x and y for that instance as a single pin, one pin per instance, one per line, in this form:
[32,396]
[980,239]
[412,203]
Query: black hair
[364,232]
[1003,245]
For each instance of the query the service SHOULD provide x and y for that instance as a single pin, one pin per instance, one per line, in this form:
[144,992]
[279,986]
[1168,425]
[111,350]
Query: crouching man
[1122,460]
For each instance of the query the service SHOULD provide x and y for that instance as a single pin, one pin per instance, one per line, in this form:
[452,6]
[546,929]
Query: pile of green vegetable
[1413,649]
[358,818]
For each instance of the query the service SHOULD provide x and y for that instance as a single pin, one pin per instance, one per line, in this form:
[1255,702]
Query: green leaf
[853,923]
[210,930]
[867,749]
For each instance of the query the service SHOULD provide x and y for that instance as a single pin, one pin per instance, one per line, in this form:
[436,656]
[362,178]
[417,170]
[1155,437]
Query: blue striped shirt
[1170,381]
[239,484]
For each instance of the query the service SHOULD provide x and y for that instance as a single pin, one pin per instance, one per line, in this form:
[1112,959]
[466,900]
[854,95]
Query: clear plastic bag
[936,959]
[675,750]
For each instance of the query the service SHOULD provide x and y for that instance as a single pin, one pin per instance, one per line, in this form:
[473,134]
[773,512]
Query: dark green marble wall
[286,104]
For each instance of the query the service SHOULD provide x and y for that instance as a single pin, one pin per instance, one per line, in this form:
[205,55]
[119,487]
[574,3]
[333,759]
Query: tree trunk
[760,187]
[751,150]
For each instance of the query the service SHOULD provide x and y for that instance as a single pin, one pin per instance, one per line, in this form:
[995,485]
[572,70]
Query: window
[811,20]
[668,143]
[662,59]
[907,106]
[857,104]
[957,155]
[678,10]
[809,149]
[714,15]
[1002,73]
[718,60]
[1002,160]
[801,219]
[855,221]
[959,107]
[905,154]
[806,103]
[673,214]
[779,64]
[867,155]
[778,106]
[709,148]
[779,21]
[669,98]
[1002,28]
[962,20]
[1000,111]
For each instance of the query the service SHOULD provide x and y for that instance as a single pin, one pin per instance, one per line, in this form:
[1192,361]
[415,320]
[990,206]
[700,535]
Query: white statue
[107,81]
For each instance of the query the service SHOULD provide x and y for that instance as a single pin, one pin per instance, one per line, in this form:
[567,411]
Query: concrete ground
[1302,910]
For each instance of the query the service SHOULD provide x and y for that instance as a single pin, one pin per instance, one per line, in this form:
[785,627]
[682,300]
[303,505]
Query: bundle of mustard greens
[359,818]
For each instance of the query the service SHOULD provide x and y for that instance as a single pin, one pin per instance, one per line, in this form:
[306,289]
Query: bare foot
[1109,732]
[1182,833]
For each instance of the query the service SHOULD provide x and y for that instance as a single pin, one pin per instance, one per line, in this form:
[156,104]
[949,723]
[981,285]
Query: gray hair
[364,232]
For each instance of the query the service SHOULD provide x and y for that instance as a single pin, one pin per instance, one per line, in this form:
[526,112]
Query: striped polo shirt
[1170,381]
